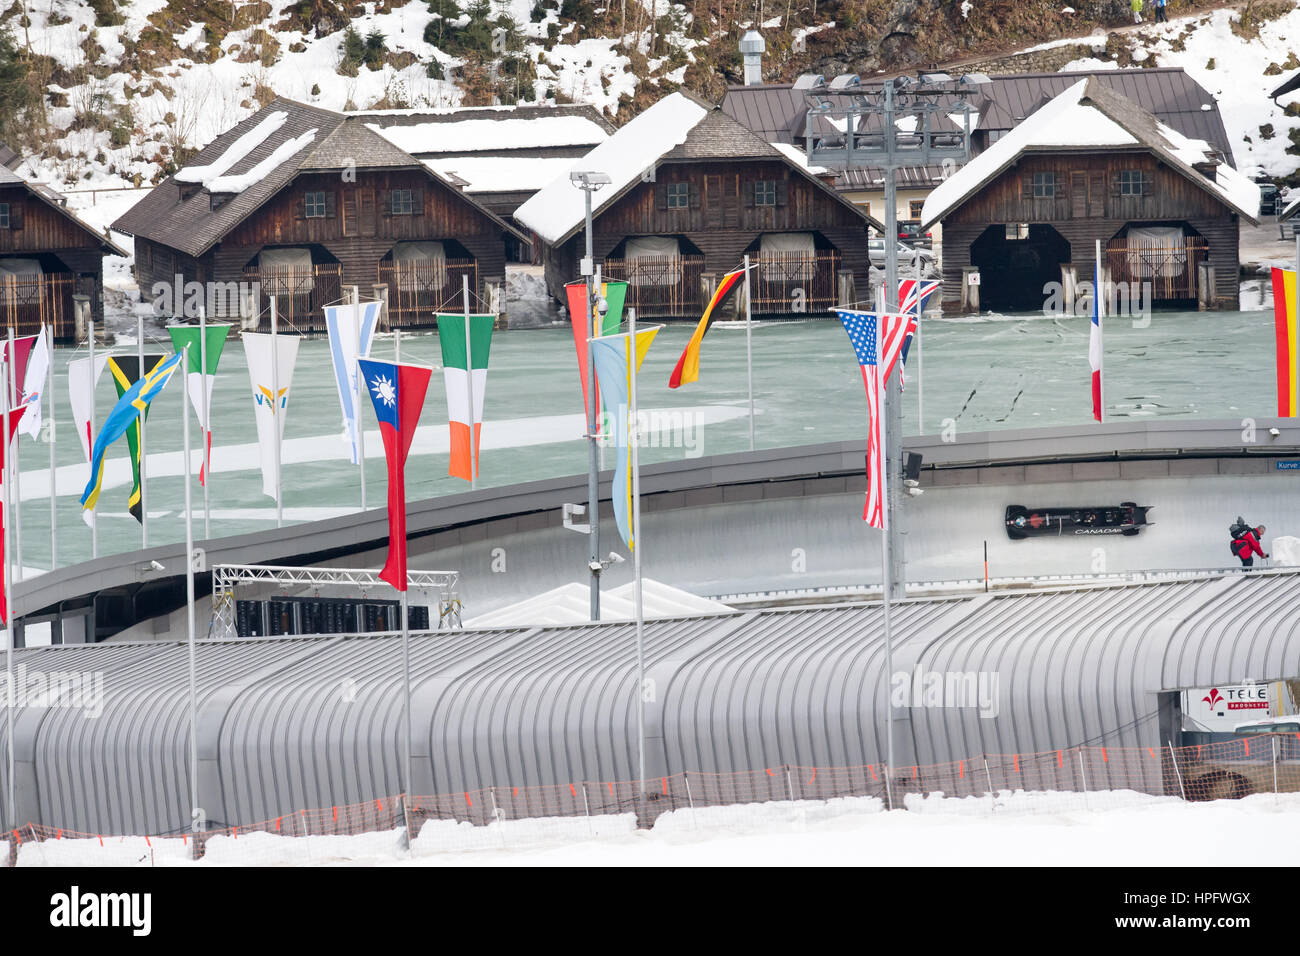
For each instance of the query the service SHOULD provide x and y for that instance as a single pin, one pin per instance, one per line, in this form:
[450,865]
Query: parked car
[1270,199]
[909,257]
[910,232]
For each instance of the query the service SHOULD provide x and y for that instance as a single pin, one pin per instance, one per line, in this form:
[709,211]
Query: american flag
[914,297]
[875,339]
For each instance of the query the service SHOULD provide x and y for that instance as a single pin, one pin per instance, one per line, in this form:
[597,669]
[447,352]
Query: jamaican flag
[126,372]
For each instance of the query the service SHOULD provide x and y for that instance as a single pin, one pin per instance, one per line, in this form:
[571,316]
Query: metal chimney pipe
[752,46]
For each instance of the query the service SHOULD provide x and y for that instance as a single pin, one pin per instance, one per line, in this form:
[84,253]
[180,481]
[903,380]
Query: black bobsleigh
[1128,518]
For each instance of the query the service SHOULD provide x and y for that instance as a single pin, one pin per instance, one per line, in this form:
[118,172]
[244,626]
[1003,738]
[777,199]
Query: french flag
[1094,343]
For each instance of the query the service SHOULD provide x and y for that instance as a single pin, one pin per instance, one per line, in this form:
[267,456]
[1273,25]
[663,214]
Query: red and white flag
[877,342]
[1094,344]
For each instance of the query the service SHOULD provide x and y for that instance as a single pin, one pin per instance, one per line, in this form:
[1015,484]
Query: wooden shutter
[751,195]
[1148,184]
[300,207]
[1027,187]
[1097,195]
[417,202]
[349,225]
[331,210]
[15,215]
[1115,185]
[661,197]
[1078,195]
[782,192]
[695,196]
[386,201]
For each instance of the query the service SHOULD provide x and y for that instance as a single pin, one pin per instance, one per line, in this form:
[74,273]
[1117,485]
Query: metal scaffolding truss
[358,582]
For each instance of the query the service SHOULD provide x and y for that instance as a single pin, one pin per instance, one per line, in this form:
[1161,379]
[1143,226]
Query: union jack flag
[878,343]
[914,298]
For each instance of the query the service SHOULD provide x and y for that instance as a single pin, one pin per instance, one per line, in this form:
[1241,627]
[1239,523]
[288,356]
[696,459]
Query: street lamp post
[589,182]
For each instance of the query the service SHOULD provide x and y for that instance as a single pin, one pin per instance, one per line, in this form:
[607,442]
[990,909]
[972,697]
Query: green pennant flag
[199,379]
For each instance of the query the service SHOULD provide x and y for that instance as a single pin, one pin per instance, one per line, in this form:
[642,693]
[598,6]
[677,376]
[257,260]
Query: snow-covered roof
[491,174]
[233,153]
[1087,117]
[559,206]
[571,604]
[799,156]
[492,135]
[238,183]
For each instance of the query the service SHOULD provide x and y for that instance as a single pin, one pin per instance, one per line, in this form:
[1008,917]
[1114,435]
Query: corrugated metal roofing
[300,723]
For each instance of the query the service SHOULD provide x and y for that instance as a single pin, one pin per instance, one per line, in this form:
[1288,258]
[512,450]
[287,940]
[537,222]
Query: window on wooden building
[1132,182]
[403,202]
[1044,185]
[314,205]
[679,195]
[765,192]
[914,207]
[4,215]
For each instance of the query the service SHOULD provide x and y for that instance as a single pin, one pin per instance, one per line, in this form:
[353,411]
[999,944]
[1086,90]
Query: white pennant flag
[38,368]
[82,380]
[351,331]
[270,408]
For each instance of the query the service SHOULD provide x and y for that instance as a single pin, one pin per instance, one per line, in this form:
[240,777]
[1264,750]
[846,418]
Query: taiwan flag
[397,393]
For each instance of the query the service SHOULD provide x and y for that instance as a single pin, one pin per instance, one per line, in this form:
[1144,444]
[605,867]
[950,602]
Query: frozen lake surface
[986,372]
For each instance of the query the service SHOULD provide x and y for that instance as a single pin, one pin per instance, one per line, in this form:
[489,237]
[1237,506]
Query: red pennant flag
[14,416]
[397,394]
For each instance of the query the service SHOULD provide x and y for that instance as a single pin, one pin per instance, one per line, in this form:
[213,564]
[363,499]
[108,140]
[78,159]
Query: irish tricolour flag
[465,388]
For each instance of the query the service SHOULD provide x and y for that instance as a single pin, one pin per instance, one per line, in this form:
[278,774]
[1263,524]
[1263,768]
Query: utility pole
[589,182]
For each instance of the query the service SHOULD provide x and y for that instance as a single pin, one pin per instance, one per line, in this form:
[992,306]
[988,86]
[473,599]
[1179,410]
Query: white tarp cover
[20,268]
[655,248]
[571,604]
[1156,250]
[420,265]
[788,255]
[282,261]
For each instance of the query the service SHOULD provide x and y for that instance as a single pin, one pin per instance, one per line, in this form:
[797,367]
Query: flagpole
[356,400]
[276,411]
[11,691]
[16,470]
[920,366]
[749,352]
[49,390]
[144,504]
[189,581]
[1098,293]
[469,380]
[634,439]
[94,524]
[206,437]
[406,686]
[886,583]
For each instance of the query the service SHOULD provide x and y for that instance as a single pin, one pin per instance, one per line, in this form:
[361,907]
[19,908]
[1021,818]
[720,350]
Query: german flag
[688,366]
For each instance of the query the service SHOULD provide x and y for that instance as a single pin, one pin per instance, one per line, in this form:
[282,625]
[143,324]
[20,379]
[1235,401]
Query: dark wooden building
[47,256]
[297,204]
[1088,166]
[692,192]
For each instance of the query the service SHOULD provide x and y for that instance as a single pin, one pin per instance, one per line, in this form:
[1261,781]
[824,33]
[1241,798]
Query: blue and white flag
[351,331]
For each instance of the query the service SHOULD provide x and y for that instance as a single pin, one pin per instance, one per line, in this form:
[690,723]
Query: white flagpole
[49,391]
[469,381]
[11,690]
[144,498]
[206,435]
[1101,335]
[883,475]
[406,688]
[749,353]
[634,438]
[356,401]
[16,470]
[920,388]
[189,593]
[94,526]
[276,410]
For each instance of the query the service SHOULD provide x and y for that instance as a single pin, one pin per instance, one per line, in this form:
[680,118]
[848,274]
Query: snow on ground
[1232,68]
[1053,830]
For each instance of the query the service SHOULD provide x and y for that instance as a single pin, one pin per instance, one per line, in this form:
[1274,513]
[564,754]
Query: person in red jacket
[1248,545]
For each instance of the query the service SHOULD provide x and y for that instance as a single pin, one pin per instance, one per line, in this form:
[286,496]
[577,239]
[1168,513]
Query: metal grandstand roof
[555,705]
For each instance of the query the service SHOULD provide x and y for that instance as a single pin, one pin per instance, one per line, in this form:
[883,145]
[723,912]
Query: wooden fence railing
[300,294]
[28,303]
[417,290]
[1170,269]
